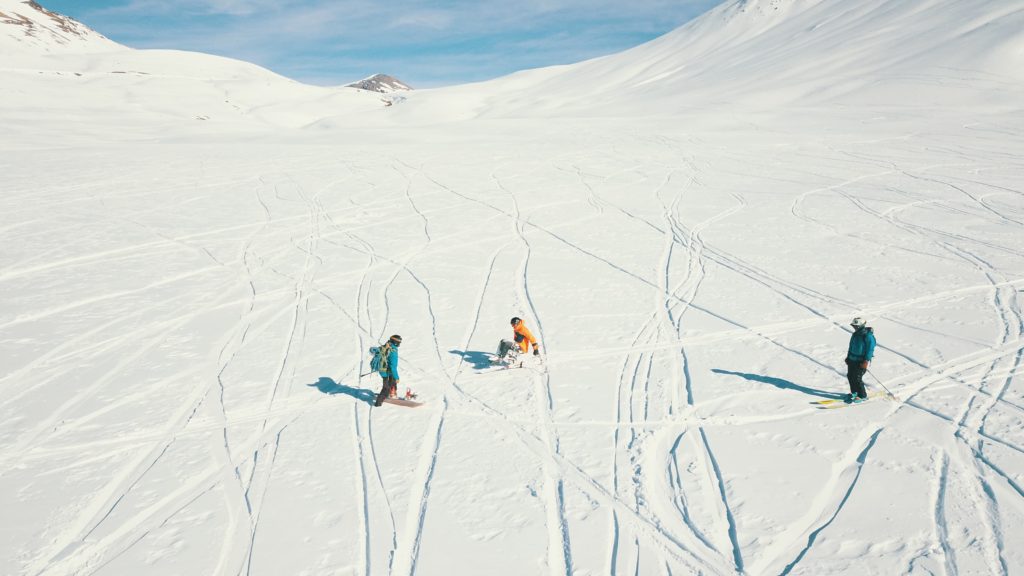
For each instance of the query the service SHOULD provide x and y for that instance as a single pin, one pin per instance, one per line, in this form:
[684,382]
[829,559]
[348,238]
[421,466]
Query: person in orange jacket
[523,338]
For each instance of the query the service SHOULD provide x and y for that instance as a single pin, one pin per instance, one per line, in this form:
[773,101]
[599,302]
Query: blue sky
[425,43]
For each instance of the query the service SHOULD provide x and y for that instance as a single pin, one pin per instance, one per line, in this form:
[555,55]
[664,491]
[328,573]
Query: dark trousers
[389,385]
[855,374]
[505,347]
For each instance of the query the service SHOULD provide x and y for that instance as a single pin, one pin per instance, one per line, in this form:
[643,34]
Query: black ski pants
[855,374]
[389,385]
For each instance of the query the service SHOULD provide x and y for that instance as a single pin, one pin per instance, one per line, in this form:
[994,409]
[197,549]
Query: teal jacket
[392,364]
[862,345]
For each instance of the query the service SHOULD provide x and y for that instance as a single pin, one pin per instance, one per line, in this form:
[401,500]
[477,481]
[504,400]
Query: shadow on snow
[479,360]
[783,384]
[329,386]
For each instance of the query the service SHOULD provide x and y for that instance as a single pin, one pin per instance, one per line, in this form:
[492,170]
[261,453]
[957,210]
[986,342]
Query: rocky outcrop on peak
[381,83]
[25,25]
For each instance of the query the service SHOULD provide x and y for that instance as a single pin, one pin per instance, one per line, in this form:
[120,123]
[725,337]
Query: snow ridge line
[163,243]
[453,382]
[364,447]
[21,319]
[48,423]
[261,483]
[255,511]
[380,483]
[619,507]
[941,526]
[362,487]
[598,493]
[682,296]
[825,522]
[87,342]
[415,523]
[405,562]
[984,500]
[663,306]
[133,530]
[781,328]
[629,376]
[1008,478]
[679,499]
[624,402]
[737,553]
[559,548]
[235,492]
[649,333]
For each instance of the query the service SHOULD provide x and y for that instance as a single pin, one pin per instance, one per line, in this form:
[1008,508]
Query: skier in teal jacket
[389,370]
[858,356]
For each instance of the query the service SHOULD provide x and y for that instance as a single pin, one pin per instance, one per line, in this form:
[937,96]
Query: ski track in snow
[559,550]
[309,260]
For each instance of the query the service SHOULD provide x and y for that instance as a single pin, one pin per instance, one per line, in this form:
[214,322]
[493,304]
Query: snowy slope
[126,91]
[762,54]
[186,305]
[774,52]
[56,67]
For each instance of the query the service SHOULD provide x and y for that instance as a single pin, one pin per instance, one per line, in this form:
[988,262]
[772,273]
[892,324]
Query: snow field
[184,326]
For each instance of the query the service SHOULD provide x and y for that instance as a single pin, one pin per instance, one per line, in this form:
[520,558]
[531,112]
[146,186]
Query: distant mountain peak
[27,24]
[381,83]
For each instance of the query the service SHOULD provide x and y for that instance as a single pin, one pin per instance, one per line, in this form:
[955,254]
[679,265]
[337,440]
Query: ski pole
[371,372]
[880,383]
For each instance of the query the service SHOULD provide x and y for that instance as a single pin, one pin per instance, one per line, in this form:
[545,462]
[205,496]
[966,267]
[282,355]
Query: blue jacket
[862,345]
[392,364]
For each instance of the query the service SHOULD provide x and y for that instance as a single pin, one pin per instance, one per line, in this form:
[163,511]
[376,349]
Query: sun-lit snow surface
[762,54]
[186,302]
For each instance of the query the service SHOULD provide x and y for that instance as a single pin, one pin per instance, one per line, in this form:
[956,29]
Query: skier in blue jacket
[858,356]
[389,369]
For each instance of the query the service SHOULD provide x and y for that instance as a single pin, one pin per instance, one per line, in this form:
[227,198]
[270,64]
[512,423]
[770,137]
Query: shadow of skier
[479,360]
[783,384]
[329,386]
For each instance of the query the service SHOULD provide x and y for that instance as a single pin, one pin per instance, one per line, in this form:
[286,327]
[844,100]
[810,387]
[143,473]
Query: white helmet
[858,322]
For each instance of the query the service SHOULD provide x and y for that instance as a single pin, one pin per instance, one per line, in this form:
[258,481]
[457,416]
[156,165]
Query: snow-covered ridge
[27,26]
[48,57]
[770,53]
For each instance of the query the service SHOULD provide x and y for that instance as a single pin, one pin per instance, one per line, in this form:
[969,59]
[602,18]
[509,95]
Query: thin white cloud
[242,7]
[423,19]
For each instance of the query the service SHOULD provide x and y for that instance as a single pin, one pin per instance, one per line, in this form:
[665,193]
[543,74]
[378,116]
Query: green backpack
[379,357]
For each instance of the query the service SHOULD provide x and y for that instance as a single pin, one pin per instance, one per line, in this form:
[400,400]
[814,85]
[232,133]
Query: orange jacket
[523,337]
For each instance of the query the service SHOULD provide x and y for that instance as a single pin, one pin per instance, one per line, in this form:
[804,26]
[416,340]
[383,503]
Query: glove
[536,350]
[864,364]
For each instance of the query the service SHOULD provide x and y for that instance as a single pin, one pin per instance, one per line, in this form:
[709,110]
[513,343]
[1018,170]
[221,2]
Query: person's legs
[504,347]
[385,391]
[508,352]
[855,374]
